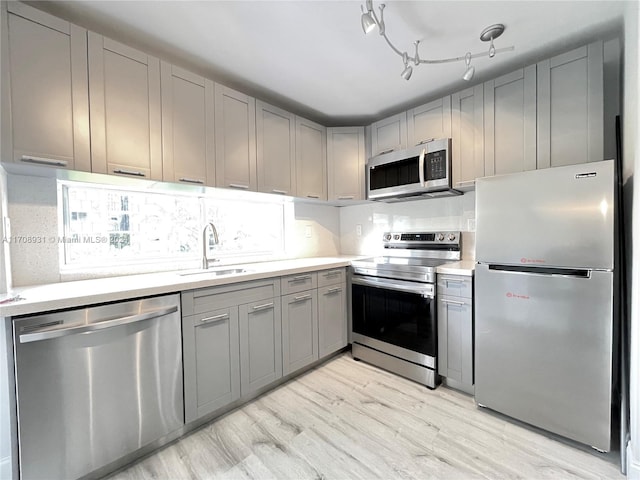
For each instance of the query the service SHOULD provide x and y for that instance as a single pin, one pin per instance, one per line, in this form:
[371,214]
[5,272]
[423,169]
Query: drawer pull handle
[191,180]
[422,142]
[346,197]
[264,306]
[301,278]
[302,297]
[451,302]
[281,192]
[332,273]
[43,161]
[313,196]
[388,150]
[215,318]
[453,283]
[133,173]
[334,290]
[237,185]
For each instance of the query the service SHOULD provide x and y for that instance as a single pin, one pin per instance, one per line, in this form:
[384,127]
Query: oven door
[397,317]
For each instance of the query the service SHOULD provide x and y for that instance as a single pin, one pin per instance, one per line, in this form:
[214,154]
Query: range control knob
[387,237]
[452,237]
[396,237]
[440,237]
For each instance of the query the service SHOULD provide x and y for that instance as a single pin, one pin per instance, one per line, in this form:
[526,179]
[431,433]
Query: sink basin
[215,273]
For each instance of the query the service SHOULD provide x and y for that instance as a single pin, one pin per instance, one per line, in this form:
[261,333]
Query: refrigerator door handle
[548,271]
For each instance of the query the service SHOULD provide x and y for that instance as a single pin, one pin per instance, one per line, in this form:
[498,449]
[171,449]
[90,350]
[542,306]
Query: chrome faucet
[205,239]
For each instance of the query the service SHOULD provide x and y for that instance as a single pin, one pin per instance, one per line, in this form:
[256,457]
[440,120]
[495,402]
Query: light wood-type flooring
[349,420]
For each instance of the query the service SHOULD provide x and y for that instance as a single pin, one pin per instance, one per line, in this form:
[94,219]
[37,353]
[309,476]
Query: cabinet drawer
[331,277]
[299,282]
[202,300]
[455,285]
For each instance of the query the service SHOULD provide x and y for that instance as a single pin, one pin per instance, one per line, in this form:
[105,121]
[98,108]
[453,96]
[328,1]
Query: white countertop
[56,296]
[463,267]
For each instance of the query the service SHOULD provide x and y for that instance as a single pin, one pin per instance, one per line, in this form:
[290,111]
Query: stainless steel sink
[215,273]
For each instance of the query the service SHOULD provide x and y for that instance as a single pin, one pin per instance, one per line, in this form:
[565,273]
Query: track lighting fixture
[370,20]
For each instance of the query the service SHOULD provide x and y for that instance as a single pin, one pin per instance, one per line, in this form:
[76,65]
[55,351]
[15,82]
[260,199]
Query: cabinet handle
[281,192]
[453,283]
[237,185]
[332,273]
[300,278]
[264,306]
[386,151]
[451,302]
[333,290]
[191,180]
[313,196]
[43,161]
[422,142]
[302,297]
[215,318]
[465,183]
[133,173]
[346,197]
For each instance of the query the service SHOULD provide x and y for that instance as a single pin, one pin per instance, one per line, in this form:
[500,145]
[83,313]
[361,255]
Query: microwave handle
[421,166]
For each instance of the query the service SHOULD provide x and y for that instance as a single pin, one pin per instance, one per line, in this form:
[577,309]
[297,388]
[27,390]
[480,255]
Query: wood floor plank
[347,419]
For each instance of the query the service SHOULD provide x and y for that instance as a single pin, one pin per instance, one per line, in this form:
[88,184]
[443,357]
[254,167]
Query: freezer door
[556,217]
[544,350]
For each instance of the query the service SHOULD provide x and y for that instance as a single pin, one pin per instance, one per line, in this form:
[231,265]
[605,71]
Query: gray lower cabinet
[299,330]
[260,344]
[455,331]
[332,317]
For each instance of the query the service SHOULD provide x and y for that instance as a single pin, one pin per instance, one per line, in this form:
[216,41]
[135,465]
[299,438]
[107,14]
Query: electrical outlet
[358,230]
[307,231]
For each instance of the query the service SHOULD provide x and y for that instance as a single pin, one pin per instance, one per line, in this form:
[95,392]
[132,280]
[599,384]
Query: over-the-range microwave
[423,170]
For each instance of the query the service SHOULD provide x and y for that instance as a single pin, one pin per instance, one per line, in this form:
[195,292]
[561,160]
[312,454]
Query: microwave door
[389,177]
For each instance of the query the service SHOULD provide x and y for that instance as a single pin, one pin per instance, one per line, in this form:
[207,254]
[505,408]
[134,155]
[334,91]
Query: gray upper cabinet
[311,159]
[45,60]
[124,101]
[467,135]
[275,140]
[570,107]
[235,131]
[510,122]
[260,344]
[188,153]
[345,163]
[429,121]
[299,330]
[389,134]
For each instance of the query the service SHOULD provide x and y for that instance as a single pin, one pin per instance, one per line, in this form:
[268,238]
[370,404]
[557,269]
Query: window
[104,225]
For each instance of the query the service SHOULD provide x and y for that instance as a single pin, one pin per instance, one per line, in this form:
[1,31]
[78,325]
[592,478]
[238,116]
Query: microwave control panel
[435,165]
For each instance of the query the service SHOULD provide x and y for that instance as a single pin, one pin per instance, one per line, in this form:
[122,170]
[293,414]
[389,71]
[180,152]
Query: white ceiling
[313,58]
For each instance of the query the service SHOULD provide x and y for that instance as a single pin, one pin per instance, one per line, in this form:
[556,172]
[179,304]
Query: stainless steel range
[394,303]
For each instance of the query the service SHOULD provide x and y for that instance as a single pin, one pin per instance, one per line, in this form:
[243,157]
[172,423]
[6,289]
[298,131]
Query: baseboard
[633,465]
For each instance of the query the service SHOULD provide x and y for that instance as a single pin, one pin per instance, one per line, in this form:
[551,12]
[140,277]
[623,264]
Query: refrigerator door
[553,217]
[543,350]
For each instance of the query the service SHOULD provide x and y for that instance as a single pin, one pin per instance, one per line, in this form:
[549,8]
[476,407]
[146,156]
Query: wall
[631,156]
[310,230]
[375,218]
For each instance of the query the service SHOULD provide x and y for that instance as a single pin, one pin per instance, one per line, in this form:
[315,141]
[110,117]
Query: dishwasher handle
[116,322]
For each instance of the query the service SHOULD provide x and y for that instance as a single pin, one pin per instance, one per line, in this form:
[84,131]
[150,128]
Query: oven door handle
[424,290]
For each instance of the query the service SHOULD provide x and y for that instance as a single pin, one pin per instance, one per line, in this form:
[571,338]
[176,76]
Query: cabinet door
[389,134]
[48,90]
[332,318]
[570,107]
[455,339]
[187,127]
[510,122]
[124,101]
[275,139]
[211,361]
[311,159]
[429,121]
[260,344]
[235,132]
[299,330]
[467,136]
[345,163]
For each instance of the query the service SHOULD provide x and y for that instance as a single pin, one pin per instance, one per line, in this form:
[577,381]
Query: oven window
[403,172]
[406,320]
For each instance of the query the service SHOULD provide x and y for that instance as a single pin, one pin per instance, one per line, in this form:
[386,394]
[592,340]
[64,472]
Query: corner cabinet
[570,107]
[389,134]
[188,154]
[275,140]
[45,79]
[455,331]
[124,106]
[345,163]
[235,139]
[311,159]
[429,121]
[467,135]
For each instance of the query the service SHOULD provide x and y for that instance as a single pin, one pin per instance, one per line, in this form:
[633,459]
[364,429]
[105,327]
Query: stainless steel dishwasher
[95,384]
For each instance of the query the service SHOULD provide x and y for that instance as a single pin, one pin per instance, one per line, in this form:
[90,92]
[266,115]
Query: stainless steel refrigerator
[544,298]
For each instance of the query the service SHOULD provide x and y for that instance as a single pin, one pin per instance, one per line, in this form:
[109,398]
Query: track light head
[468,74]
[407,72]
